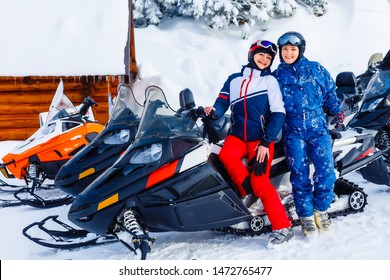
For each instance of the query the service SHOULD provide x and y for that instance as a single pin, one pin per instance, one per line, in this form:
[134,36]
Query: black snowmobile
[375,109]
[76,174]
[373,114]
[171,179]
[350,89]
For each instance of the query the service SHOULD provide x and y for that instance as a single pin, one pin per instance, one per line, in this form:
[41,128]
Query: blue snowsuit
[307,87]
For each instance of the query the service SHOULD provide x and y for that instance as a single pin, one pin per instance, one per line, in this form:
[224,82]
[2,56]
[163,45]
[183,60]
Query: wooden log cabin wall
[23,98]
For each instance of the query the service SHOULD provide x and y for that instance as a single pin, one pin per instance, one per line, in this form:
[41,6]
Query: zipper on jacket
[245,93]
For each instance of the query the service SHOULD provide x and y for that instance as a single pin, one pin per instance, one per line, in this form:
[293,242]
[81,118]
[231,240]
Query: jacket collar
[246,71]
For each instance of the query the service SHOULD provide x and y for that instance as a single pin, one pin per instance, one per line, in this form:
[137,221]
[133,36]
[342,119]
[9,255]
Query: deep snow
[88,37]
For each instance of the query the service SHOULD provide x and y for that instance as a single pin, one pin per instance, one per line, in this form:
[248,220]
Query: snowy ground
[186,54]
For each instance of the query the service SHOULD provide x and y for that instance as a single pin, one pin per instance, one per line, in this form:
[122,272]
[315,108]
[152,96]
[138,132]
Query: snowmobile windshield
[377,89]
[126,106]
[160,120]
[60,106]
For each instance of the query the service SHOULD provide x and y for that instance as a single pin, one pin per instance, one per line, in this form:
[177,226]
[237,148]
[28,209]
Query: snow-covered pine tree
[191,8]
[284,8]
[254,9]
[147,12]
[319,6]
[221,13]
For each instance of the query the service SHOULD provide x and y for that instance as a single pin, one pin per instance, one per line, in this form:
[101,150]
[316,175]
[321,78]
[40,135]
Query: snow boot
[308,226]
[280,236]
[322,220]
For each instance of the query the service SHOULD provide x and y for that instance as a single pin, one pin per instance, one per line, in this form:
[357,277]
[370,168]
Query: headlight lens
[374,104]
[50,128]
[119,137]
[147,154]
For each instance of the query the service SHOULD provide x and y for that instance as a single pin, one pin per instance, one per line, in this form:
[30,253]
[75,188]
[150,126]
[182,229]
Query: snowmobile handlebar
[209,130]
[193,113]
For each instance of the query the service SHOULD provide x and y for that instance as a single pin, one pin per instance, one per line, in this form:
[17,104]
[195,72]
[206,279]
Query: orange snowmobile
[65,131]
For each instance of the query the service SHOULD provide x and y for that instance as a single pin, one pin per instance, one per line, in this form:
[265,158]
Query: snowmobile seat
[347,88]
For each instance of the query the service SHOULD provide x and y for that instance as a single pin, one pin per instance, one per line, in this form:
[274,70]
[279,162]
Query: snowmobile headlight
[147,154]
[119,137]
[374,104]
[48,129]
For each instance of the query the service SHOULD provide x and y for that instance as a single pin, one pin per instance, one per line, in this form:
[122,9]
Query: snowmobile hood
[61,117]
[49,132]
[106,148]
[155,155]
[377,92]
[165,143]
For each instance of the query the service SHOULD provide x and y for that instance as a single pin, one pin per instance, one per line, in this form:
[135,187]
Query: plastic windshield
[60,106]
[126,106]
[377,89]
[160,120]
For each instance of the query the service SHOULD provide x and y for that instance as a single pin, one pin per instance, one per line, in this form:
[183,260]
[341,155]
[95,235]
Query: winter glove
[210,131]
[338,120]
[258,168]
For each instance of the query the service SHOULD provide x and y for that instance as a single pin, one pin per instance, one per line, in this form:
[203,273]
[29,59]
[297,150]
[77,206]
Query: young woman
[307,87]
[258,114]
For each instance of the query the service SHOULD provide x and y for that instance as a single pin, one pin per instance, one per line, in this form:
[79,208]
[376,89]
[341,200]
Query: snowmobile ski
[8,187]
[7,198]
[5,202]
[27,197]
[65,237]
[43,197]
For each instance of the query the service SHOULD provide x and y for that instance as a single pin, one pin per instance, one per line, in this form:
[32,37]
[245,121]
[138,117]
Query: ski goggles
[290,39]
[266,45]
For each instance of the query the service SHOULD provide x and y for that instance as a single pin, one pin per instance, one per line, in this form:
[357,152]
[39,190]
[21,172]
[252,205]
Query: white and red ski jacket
[256,104]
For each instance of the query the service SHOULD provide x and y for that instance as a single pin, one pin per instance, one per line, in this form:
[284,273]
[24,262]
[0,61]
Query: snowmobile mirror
[88,102]
[186,99]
